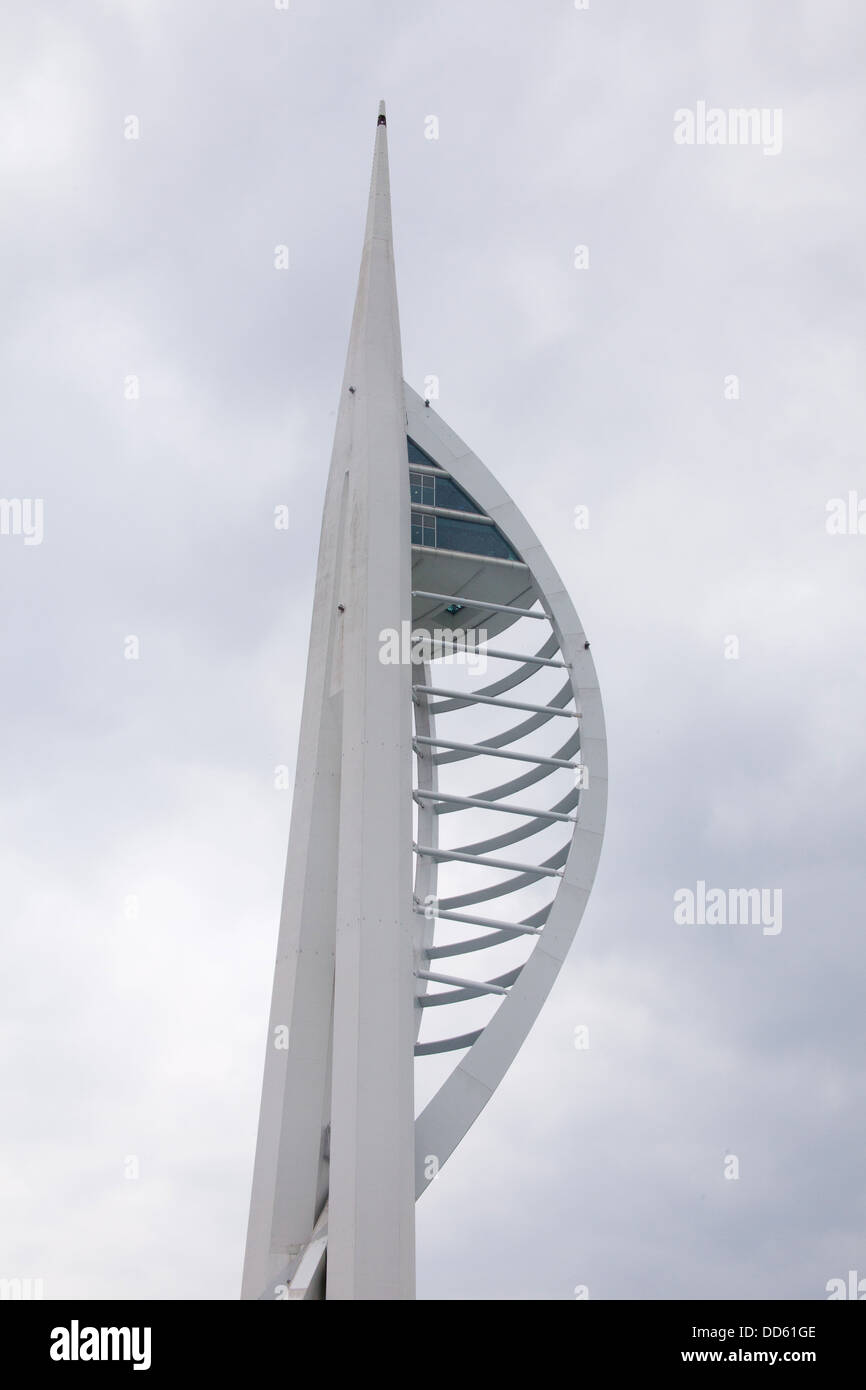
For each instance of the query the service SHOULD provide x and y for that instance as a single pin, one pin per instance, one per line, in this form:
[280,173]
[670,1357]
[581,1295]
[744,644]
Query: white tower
[340,1158]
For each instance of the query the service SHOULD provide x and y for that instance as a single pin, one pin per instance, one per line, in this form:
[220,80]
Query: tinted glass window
[417,455]
[422,488]
[448,494]
[423,529]
[472,539]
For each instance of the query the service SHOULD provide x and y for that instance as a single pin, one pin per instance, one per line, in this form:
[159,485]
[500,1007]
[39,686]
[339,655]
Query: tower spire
[332,1211]
[376,319]
[335,1153]
[371,1243]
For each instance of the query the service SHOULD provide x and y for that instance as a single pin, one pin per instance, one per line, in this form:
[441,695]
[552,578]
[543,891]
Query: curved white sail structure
[443,645]
[493,594]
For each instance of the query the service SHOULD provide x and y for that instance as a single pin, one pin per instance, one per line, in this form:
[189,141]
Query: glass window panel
[448,494]
[472,539]
[417,455]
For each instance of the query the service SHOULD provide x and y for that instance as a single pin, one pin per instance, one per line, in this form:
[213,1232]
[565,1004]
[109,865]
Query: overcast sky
[142,842]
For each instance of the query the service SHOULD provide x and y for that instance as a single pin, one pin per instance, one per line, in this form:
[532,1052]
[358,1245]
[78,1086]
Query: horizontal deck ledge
[482,603]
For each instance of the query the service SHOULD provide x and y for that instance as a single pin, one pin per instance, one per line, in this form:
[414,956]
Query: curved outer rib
[462,1097]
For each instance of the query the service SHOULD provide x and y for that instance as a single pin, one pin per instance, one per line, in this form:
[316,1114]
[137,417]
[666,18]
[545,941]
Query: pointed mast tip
[381,120]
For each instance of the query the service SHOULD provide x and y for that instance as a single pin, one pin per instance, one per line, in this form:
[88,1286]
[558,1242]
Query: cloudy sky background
[152,780]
